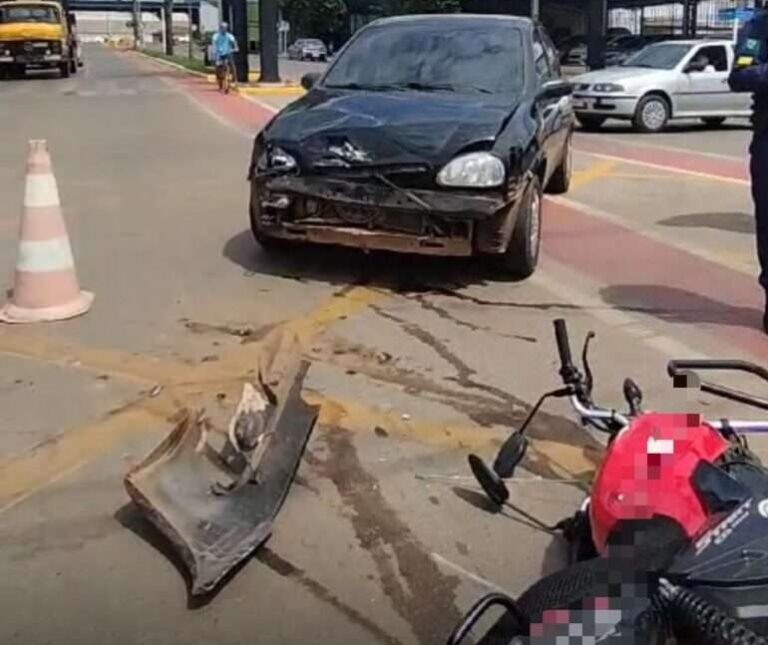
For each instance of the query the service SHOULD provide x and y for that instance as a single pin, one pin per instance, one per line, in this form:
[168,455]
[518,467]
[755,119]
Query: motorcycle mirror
[491,483]
[633,396]
[510,455]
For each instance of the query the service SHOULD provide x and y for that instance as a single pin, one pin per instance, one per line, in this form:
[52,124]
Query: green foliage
[324,19]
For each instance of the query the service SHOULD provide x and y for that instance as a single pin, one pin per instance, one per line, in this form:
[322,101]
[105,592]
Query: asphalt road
[415,362]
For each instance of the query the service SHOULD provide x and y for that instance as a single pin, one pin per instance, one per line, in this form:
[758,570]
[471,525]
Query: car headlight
[608,87]
[276,159]
[474,170]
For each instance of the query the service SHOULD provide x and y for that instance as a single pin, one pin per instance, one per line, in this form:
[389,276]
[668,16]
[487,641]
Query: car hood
[616,75]
[382,128]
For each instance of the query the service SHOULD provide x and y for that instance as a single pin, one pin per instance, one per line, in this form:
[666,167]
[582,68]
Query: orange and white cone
[46,286]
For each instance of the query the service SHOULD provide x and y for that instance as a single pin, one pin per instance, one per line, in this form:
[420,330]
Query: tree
[430,6]
[323,19]
[168,4]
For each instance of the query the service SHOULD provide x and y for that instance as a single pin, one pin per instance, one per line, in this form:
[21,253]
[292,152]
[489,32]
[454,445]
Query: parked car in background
[433,135]
[661,82]
[308,49]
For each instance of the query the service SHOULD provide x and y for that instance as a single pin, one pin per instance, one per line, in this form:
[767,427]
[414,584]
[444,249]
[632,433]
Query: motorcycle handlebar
[563,347]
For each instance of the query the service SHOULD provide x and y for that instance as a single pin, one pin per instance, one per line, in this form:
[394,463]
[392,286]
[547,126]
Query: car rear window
[459,56]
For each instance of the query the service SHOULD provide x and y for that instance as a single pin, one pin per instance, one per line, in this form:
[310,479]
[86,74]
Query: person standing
[750,74]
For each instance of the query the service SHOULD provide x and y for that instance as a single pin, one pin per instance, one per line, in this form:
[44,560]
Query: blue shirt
[224,45]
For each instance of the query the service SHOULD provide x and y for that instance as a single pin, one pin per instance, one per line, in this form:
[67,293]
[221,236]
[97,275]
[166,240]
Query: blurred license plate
[580,105]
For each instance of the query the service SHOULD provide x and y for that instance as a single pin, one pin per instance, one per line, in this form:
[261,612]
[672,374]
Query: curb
[162,61]
[288,90]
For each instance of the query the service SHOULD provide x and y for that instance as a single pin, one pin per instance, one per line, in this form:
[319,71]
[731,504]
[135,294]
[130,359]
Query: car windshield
[659,56]
[452,57]
[28,13]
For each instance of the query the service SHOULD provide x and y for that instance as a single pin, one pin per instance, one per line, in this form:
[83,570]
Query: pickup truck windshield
[433,57]
[660,56]
[29,13]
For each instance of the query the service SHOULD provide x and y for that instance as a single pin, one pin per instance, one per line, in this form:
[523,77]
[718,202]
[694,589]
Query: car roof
[454,17]
[12,3]
[700,41]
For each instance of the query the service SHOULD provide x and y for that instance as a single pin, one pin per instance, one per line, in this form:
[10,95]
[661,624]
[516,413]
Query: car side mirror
[554,90]
[308,81]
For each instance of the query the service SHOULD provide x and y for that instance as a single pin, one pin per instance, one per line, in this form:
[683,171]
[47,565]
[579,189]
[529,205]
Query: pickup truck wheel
[590,122]
[560,181]
[652,114]
[522,254]
[713,121]
[64,69]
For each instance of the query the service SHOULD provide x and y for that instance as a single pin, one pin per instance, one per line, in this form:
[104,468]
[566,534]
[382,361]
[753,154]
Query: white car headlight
[474,170]
[276,159]
[608,87]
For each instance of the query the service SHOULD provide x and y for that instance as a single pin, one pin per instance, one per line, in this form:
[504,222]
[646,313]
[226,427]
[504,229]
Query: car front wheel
[269,244]
[652,114]
[522,254]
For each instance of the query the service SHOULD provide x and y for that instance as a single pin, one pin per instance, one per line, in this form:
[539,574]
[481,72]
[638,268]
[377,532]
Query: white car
[685,79]
[308,49]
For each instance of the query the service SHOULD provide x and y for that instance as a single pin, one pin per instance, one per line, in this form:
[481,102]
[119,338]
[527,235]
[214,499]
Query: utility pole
[269,16]
[239,28]
[136,24]
[189,30]
[168,6]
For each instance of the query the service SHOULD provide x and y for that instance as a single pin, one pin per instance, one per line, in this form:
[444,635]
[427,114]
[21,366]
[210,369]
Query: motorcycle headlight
[276,159]
[474,170]
[608,87]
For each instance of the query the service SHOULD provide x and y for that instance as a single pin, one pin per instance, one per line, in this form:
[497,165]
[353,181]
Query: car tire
[652,114]
[560,181]
[267,243]
[713,121]
[64,69]
[590,122]
[520,258]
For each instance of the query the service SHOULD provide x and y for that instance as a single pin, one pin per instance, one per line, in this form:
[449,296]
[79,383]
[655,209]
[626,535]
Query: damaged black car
[429,134]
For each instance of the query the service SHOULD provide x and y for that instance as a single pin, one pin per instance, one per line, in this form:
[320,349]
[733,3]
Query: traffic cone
[45,287]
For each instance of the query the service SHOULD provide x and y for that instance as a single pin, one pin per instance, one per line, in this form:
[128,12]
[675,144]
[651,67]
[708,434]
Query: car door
[739,103]
[547,108]
[705,93]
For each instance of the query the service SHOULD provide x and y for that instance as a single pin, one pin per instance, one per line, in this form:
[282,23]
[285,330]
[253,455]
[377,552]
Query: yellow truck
[36,35]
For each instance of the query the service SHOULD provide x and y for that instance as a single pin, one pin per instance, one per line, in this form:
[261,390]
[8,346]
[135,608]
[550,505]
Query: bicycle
[225,74]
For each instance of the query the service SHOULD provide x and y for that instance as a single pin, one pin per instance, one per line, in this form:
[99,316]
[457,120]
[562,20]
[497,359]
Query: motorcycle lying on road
[672,541]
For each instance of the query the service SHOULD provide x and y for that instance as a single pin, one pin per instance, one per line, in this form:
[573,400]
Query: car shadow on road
[671,304]
[344,266]
[731,222]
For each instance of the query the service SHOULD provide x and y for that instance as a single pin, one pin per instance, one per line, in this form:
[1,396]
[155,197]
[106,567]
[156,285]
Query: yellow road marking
[50,461]
[659,177]
[596,171]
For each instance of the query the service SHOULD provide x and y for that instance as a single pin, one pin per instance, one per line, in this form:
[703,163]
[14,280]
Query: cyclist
[224,48]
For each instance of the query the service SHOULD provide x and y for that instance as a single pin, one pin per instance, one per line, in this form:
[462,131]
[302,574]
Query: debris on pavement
[217,505]
[155,391]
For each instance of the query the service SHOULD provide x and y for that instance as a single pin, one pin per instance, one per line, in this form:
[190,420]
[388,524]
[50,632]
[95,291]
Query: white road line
[467,574]
[630,324]
[654,146]
[647,164]
[266,106]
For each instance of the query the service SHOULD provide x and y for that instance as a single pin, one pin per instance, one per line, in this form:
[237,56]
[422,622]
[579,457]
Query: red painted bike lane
[646,276]
[675,160]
